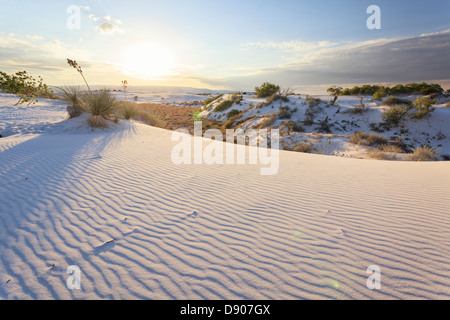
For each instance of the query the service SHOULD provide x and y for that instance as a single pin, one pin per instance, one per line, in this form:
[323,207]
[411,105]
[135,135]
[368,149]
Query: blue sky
[228,44]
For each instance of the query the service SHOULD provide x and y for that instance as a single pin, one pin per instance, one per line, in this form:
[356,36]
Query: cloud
[108,28]
[408,59]
[105,24]
[292,45]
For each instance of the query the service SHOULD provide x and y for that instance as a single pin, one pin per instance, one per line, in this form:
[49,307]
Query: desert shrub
[372,139]
[395,114]
[380,93]
[424,153]
[25,86]
[284,113]
[303,147]
[266,90]
[236,98]
[324,126]
[422,107]
[396,100]
[211,99]
[390,148]
[151,119]
[224,105]
[380,155]
[233,113]
[294,126]
[269,120]
[313,101]
[127,110]
[273,98]
[411,88]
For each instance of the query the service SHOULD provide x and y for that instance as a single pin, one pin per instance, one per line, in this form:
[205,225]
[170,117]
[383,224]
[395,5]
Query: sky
[232,45]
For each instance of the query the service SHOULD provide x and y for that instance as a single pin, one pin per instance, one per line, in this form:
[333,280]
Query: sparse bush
[422,107]
[266,90]
[313,101]
[285,113]
[127,109]
[395,114]
[151,119]
[395,100]
[380,93]
[380,155]
[324,126]
[233,113]
[294,126]
[390,148]
[424,153]
[372,139]
[26,87]
[303,147]
[269,120]
[236,98]
[211,99]
[336,92]
[224,105]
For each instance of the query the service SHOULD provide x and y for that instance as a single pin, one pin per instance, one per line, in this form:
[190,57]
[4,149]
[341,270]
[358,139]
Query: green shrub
[395,114]
[233,113]
[224,105]
[422,107]
[266,90]
[395,100]
[26,87]
[380,93]
[211,99]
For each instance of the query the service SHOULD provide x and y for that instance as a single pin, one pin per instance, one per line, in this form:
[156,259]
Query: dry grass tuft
[424,153]
[366,139]
[391,148]
[303,147]
[269,120]
[381,155]
[127,110]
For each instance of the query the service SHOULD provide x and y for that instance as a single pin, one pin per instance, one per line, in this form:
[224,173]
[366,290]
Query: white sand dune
[214,231]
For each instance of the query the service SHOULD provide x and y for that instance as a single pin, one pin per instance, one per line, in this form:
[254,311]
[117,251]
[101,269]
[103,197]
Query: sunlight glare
[147,61]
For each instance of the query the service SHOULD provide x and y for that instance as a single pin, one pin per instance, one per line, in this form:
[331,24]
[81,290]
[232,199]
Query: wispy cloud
[292,45]
[106,26]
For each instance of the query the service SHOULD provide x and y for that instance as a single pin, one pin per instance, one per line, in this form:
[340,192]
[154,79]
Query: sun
[148,61]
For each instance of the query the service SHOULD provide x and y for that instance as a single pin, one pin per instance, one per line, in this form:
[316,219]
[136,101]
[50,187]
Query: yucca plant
[101,105]
[73,96]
